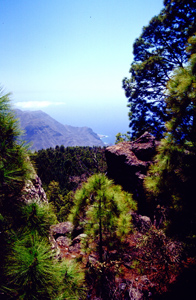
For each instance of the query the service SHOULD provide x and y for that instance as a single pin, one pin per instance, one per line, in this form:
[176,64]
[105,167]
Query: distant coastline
[108,140]
[102,136]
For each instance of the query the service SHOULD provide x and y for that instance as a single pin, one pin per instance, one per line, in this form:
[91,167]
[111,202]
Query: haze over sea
[68,58]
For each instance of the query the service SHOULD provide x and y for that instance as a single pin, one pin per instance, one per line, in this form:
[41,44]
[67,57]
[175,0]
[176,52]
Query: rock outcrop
[61,229]
[33,191]
[128,163]
[63,242]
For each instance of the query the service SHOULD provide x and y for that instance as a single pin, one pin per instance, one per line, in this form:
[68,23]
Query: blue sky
[68,57]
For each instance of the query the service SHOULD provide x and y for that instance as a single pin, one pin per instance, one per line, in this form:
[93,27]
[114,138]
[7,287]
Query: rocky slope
[42,131]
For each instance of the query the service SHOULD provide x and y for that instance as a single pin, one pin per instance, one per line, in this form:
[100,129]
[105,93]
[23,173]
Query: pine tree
[172,178]
[157,52]
[28,269]
[102,209]
[54,196]
[15,169]
[15,166]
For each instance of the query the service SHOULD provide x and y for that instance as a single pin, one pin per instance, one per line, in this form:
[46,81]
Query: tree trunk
[100,233]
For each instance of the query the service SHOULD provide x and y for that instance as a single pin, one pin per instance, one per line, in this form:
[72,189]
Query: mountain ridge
[42,131]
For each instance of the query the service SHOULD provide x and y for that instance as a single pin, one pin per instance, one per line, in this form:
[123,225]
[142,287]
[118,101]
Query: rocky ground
[145,266]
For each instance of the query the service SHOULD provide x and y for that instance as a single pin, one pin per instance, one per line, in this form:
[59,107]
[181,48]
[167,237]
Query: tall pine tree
[157,52]
[172,178]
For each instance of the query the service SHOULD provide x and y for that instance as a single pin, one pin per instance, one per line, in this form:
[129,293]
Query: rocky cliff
[128,163]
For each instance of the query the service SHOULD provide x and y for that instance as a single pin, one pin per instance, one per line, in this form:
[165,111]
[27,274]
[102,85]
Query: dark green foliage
[157,52]
[180,102]
[67,206]
[54,196]
[61,204]
[67,165]
[172,178]
[15,166]
[37,219]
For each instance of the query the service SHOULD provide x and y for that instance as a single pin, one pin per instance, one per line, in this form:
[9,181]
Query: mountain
[42,131]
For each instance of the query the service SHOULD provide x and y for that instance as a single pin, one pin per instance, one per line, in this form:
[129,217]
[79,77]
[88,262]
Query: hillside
[42,131]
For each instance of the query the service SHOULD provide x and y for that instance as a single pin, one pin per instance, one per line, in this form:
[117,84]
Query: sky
[68,58]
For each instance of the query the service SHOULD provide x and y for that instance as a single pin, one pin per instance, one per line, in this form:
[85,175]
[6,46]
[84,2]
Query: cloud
[38,104]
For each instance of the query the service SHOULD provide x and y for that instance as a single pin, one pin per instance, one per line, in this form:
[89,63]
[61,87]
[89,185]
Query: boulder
[76,243]
[61,240]
[61,229]
[57,232]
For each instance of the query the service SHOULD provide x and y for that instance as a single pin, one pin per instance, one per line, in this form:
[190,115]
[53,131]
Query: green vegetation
[162,96]
[28,268]
[122,137]
[102,209]
[34,273]
[15,166]
[159,50]
[175,164]
[68,166]
[62,170]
